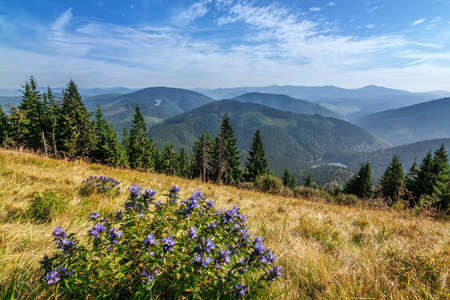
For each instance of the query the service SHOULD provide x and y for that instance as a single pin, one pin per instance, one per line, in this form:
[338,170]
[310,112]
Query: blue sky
[402,44]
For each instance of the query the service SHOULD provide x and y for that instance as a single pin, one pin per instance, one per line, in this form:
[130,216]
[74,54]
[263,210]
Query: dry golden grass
[326,251]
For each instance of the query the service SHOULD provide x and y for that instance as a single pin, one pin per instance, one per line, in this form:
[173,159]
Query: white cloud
[62,20]
[370,26]
[196,10]
[314,8]
[420,21]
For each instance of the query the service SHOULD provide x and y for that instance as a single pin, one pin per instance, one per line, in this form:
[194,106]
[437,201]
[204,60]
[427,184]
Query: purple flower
[197,195]
[63,271]
[52,277]
[192,233]
[94,215]
[66,245]
[198,258]
[224,256]
[59,233]
[174,191]
[45,262]
[119,214]
[274,273]
[193,204]
[242,289]
[230,214]
[212,225]
[206,262]
[114,235]
[149,193]
[169,243]
[150,275]
[206,245]
[142,215]
[96,230]
[150,240]
[210,204]
[134,191]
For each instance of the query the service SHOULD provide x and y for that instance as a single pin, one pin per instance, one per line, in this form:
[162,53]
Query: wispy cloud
[62,21]
[314,8]
[420,21]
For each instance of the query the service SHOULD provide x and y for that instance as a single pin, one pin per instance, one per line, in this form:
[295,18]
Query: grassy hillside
[410,124]
[326,251]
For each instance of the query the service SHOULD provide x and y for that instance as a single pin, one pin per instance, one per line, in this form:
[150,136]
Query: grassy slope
[326,251]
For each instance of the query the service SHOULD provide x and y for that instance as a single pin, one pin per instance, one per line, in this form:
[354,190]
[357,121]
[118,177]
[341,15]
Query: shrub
[45,206]
[100,184]
[312,194]
[167,250]
[269,184]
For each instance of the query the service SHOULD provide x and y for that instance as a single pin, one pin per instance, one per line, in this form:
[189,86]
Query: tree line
[425,185]
[63,127]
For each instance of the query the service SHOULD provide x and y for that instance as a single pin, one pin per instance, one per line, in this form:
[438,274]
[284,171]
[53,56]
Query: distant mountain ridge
[283,102]
[424,121]
[348,102]
[291,140]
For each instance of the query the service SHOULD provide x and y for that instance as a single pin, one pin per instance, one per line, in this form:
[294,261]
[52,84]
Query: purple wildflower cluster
[173,193]
[139,202]
[192,203]
[54,276]
[101,183]
[150,275]
[242,289]
[62,241]
[169,243]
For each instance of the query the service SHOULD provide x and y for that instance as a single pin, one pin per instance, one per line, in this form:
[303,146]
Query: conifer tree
[4,127]
[232,166]
[360,184]
[257,163]
[139,147]
[424,182]
[411,183]
[288,179]
[32,109]
[169,163]
[76,135]
[221,165]
[108,150]
[203,164]
[52,111]
[391,182]
[183,164]
[309,182]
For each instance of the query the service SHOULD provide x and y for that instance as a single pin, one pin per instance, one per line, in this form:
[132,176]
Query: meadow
[327,251]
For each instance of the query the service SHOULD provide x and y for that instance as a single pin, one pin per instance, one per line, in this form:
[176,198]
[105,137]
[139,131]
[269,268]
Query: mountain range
[291,140]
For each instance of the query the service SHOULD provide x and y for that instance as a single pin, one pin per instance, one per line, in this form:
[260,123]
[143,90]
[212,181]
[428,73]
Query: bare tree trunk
[45,144]
[54,143]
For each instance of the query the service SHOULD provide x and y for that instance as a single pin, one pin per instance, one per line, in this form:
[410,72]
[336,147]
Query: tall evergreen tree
[309,182]
[169,160]
[52,110]
[257,163]
[108,150]
[360,184]
[219,156]
[424,181]
[411,183]
[391,182]
[76,135]
[183,164]
[139,147]
[288,179]
[232,166]
[203,164]
[4,127]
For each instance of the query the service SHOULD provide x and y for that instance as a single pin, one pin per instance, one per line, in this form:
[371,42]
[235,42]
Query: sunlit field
[326,251]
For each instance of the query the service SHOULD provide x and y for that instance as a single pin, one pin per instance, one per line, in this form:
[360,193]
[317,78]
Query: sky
[402,44]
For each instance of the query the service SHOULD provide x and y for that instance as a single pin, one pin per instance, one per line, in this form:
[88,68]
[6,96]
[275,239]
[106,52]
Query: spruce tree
[288,179]
[183,163]
[424,181]
[411,183]
[221,165]
[232,170]
[391,182]
[309,182]
[203,164]
[139,147]
[108,150]
[257,163]
[76,135]
[52,110]
[4,127]
[169,160]
[360,184]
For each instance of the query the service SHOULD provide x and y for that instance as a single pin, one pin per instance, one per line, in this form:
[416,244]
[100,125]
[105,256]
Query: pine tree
[108,150]
[360,184]
[411,183]
[309,182]
[202,165]
[32,109]
[4,127]
[288,179]
[76,135]
[232,166]
[391,182]
[183,164]
[424,181]
[169,163]
[52,110]
[219,156]
[257,163]
[139,147]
